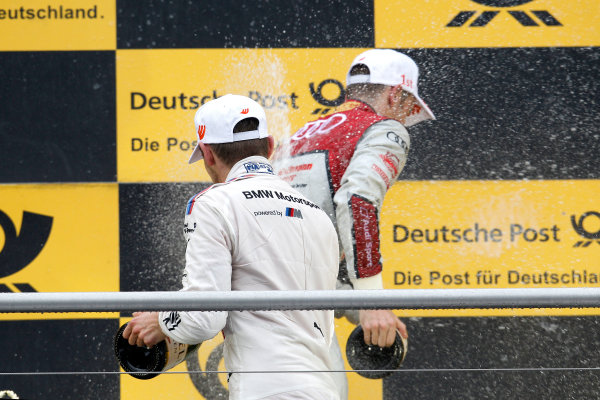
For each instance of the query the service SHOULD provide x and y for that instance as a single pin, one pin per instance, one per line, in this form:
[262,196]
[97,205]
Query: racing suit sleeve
[209,238]
[378,159]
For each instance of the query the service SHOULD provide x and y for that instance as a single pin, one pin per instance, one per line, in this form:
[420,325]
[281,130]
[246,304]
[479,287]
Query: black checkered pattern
[503,114]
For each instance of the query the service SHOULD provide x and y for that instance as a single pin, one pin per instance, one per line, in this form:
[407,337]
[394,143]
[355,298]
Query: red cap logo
[245,111]
[201,132]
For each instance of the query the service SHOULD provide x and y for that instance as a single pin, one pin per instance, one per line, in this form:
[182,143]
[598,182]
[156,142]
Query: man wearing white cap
[347,161]
[252,231]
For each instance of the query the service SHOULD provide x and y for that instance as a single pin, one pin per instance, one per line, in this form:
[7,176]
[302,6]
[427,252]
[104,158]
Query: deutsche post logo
[8,394]
[578,226]
[208,384]
[531,19]
[21,249]
[317,95]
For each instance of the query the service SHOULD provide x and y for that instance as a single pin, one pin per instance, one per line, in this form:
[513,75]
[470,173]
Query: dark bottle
[144,363]
[374,362]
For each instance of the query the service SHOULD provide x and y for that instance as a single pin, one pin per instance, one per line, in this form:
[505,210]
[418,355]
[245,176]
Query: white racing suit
[346,162]
[254,232]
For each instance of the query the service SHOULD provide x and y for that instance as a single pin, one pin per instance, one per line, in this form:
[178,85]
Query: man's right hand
[380,327]
[143,330]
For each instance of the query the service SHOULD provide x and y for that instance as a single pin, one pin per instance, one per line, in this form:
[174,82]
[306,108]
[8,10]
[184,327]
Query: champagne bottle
[146,363]
[374,362]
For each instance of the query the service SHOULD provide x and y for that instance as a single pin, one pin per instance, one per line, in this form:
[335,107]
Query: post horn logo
[208,385]
[317,94]
[581,231]
[21,249]
[201,132]
[8,394]
[522,17]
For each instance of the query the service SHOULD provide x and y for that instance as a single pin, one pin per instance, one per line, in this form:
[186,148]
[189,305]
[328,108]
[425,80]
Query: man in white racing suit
[346,162]
[252,231]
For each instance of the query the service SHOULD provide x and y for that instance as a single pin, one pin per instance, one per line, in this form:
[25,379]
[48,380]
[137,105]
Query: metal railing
[300,300]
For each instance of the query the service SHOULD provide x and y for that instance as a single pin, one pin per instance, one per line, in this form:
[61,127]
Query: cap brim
[424,113]
[196,155]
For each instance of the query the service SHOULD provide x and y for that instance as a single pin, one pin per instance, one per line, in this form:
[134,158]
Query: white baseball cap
[390,67]
[215,120]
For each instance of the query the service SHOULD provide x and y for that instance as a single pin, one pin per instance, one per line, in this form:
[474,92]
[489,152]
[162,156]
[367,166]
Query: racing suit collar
[250,165]
[351,104]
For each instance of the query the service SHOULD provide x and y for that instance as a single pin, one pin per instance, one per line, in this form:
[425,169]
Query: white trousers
[341,381]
